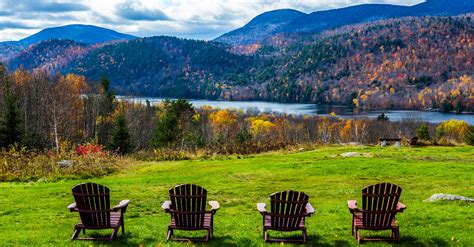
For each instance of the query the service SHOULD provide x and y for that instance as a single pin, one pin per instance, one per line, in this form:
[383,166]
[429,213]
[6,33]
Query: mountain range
[292,21]
[373,56]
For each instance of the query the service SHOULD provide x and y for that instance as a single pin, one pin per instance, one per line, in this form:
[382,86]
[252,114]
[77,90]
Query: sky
[195,19]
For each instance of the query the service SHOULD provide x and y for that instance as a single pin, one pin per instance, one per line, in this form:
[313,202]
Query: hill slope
[164,66]
[256,30]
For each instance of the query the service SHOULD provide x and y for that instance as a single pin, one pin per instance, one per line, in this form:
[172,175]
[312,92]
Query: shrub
[90,149]
[452,130]
[18,164]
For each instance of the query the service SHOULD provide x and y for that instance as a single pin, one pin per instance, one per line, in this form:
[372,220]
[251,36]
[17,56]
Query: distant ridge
[87,34]
[275,22]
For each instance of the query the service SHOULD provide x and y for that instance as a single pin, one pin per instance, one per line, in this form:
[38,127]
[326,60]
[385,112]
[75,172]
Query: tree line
[60,112]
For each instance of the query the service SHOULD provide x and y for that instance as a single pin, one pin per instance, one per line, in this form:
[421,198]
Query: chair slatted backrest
[188,205]
[93,203]
[379,204]
[287,209]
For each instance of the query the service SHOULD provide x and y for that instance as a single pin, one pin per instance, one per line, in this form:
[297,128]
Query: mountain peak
[88,34]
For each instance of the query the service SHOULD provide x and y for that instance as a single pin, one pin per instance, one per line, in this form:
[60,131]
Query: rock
[65,163]
[448,197]
[356,154]
[350,154]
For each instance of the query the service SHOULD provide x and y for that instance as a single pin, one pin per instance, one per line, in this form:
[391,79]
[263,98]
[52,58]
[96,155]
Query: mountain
[260,29]
[87,34]
[164,66]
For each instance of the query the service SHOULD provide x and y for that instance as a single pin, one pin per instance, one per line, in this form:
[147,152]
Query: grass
[35,213]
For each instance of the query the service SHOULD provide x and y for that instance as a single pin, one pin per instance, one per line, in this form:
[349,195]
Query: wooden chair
[379,206]
[288,210]
[93,205]
[413,141]
[188,211]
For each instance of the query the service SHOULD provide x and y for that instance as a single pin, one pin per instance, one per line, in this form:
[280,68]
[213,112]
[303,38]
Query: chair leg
[265,236]
[84,231]
[357,235]
[170,234]
[397,234]
[208,236]
[352,225]
[76,232]
[123,225]
[305,236]
[114,233]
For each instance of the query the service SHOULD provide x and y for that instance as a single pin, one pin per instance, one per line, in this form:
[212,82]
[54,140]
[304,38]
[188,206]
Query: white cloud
[200,19]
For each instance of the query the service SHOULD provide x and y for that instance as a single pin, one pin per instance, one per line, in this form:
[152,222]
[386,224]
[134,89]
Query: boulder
[448,197]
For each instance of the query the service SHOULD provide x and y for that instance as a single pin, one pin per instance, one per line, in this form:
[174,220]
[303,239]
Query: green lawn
[36,213]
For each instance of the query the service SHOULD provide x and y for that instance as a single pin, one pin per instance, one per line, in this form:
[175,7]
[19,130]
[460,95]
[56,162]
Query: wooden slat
[379,203]
[287,209]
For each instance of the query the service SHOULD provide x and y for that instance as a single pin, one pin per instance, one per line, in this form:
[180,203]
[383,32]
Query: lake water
[313,109]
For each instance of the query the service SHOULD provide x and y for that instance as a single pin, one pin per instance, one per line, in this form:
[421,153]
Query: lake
[315,109]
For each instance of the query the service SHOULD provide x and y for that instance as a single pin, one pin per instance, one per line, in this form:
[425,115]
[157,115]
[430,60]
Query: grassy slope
[36,213]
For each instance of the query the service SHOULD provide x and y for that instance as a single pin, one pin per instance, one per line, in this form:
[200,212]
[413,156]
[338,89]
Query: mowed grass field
[35,213]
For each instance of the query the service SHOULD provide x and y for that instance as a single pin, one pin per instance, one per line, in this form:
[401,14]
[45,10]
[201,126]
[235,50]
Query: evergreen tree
[106,108]
[11,130]
[422,132]
[470,135]
[120,140]
[172,122]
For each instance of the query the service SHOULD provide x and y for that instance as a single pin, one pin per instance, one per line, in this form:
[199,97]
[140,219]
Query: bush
[18,164]
[452,130]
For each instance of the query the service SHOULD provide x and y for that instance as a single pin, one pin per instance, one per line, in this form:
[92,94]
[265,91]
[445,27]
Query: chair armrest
[122,206]
[166,206]
[401,207]
[261,207]
[214,206]
[352,205]
[72,207]
[309,209]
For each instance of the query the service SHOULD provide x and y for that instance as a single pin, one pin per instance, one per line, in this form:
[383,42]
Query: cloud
[15,25]
[197,19]
[44,6]
[137,12]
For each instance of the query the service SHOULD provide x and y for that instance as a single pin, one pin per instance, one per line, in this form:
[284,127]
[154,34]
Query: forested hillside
[166,66]
[411,62]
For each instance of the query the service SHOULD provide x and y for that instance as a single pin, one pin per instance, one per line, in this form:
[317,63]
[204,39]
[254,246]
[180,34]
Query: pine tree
[107,105]
[11,131]
[120,140]
[423,133]
[470,135]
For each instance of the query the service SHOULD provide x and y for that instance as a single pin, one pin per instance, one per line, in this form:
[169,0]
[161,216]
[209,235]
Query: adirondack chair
[379,206]
[288,210]
[413,141]
[93,205]
[188,211]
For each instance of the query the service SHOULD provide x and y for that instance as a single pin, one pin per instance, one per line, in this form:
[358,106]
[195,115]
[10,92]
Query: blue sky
[197,19]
